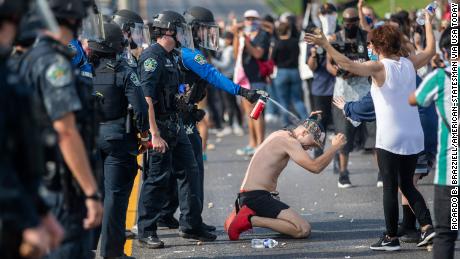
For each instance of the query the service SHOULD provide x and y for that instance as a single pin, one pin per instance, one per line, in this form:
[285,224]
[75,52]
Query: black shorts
[262,202]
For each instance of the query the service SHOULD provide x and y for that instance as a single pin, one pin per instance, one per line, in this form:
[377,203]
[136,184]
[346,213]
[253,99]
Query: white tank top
[399,130]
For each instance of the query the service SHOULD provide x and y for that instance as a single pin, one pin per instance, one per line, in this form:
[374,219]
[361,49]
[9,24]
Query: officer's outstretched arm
[196,62]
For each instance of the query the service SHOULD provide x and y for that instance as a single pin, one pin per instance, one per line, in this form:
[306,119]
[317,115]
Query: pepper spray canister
[258,108]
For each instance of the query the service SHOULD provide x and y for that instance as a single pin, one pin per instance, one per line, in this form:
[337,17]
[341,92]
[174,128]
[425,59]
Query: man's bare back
[273,155]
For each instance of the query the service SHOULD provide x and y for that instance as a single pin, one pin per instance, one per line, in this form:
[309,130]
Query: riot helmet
[133,28]
[172,21]
[204,28]
[12,10]
[113,42]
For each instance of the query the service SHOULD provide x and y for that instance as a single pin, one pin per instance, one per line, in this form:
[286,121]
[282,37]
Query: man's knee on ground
[303,230]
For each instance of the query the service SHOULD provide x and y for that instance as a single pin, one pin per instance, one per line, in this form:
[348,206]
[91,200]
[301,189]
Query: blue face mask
[371,55]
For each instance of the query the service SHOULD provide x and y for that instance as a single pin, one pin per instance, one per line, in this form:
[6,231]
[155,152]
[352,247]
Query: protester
[393,78]
[287,82]
[436,88]
[252,47]
[226,65]
[256,205]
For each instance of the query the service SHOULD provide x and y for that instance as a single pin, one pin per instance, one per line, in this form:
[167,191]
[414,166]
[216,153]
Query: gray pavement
[344,222]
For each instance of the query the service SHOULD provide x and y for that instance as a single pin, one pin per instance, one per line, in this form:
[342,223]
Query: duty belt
[168,116]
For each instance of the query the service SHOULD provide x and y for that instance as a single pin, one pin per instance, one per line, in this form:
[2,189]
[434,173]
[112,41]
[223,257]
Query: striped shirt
[436,87]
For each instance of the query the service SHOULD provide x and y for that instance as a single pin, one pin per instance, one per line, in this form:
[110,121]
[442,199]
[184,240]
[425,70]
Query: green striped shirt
[436,87]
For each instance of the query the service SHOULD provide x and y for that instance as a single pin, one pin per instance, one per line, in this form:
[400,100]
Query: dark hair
[386,39]
[444,41]
[284,29]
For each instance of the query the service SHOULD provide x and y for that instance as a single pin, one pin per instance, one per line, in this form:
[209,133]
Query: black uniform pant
[444,241]
[120,168]
[171,205]
[70,215]
[179,162]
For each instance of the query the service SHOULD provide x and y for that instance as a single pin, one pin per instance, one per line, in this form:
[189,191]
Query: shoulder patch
[59,73]
[200,59]
[133,77]
[150,65]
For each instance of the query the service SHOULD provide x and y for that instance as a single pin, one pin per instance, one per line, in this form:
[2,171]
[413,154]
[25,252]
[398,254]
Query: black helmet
[114,41]
[168,20]
[126,18]
[198,14]
[205,31]
[69,9]
[28,29]
[13,9]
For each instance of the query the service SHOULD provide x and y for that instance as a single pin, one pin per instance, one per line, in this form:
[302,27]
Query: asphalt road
[344,222]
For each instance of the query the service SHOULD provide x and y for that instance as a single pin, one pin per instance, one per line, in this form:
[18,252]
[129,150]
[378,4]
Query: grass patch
[380,6]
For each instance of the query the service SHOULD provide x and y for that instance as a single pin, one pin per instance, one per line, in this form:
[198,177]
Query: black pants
[172,203]
[179,162]
[444,241]
[76,243]
[215,106]
[400,168]
[324,104]
[120,168]
[232,109]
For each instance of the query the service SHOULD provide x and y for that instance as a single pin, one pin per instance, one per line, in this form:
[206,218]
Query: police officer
[135,32]
[27,229]
[198,73]
[172,152]
[119,85]
[47,68]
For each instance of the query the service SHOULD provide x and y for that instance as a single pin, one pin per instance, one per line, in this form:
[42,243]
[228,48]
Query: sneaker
[241,223]
[205,157]
[225,132]
[167,223]
[426,236]
[238,131]
[134,230]
[386,244]
[344,181]
[246,151]
[201,235]
[379,180]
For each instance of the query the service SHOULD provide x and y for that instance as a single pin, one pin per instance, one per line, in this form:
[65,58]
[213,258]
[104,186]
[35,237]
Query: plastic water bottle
[263,243]
[430,8]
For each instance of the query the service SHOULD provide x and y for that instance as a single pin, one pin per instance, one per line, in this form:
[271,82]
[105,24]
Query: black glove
[198,114]
[252,95]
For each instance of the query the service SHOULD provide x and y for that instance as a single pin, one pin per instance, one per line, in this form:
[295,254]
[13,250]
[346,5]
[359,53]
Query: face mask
[253,27]
[328,23]
[369,20]
[371,55]
[350,32]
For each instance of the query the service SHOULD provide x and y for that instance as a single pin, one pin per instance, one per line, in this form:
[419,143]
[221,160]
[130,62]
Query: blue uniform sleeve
[196,62]
[362,110]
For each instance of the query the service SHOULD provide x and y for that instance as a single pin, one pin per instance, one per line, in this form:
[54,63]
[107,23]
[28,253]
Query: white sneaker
[225,132]
[238,131]
[134,230]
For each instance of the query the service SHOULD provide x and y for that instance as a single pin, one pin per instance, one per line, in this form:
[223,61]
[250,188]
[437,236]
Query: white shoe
[225,132]
[134,230]
[379,184]
[238,131]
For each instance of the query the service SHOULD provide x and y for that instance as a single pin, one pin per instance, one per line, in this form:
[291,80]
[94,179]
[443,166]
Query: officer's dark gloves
[198,114]
[252,95]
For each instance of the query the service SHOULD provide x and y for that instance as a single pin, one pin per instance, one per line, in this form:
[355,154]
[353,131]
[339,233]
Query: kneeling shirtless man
[256,206]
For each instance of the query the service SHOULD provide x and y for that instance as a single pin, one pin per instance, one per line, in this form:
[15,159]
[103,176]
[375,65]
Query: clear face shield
[209,36]
[184,36]
[140,35]
[93,26]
